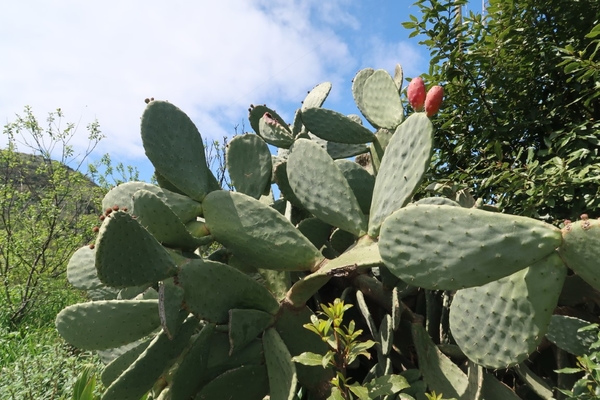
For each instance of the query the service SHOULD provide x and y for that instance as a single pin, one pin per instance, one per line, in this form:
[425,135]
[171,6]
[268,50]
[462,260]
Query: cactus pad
[245,326]
[380,101]
[309,167]
[563,332]
[249,164]
[281,370]
[335,127]
[580,250]
[173,144]
[407,157]
[499,324]
[81,269]
[128,255]
[212,289]
[432,246]
[257,233]
[316,97]
[106,324]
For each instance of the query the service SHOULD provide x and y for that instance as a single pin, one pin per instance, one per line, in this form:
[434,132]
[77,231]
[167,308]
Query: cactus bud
[416,93]
[433,100]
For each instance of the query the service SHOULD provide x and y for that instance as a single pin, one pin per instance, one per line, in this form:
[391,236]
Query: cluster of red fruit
[418,99]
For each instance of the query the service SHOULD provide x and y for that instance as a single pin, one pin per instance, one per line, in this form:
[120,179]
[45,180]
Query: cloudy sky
[98,61]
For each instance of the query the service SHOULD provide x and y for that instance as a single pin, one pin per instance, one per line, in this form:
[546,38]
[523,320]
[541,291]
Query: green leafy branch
[587,387]
[345,348]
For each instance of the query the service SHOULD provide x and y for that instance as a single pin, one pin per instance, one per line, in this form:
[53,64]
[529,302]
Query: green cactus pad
[443,376]
[499,324]
[220,359]
[335,127]
[207,358]
[106,324]
[163,183]
[185,383]
[317,96]
[563,332]
[361,182]
[109,355]
[407,157]
[280,368]
[160,354]
[103,293]
[310,167]
[128,255]
[245,326]
[173,144]
[439,201]
[297,127]
[380,101]
[257,112]
[315,230]
[276,282]
[358,84]
[341,240]
[386,334]
[298,340]
[248,382]
[378,147]
[283,183]
[275,133]
[81,269]
[212,289]
[339,150]
[448,248]
[398,77]
[580,250]
[257,233]
[121,195]
[249,164]
[199,230]
[117,366]
[184,207]
[161,222]
[170,303]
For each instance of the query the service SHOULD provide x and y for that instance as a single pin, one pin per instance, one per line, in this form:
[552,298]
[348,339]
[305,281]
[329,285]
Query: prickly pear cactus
[178,323]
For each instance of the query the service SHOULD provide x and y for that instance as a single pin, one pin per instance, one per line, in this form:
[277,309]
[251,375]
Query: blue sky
[211,59]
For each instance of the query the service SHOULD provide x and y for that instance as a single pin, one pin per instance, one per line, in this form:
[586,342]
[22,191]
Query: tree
[520,121]
[48,209]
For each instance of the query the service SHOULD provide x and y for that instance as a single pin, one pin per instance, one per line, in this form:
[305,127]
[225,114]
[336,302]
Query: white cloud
[212,59]
[386,55]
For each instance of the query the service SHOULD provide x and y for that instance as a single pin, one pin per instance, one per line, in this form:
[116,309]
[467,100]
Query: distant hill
[34,173]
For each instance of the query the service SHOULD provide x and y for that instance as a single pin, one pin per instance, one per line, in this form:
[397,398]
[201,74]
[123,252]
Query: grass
[35,363]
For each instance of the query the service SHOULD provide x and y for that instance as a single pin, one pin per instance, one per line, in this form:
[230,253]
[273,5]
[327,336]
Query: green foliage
[522,109]
[37,364]
[588,386]
[344,348]
[48,209]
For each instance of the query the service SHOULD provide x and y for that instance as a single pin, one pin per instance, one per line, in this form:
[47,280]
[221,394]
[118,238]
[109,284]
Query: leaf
[308,358]
[387,384]
[361,392]
[336,394]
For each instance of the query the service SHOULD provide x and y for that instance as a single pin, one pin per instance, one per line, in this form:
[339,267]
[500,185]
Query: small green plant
[588,387]
[344,348]
[85,385]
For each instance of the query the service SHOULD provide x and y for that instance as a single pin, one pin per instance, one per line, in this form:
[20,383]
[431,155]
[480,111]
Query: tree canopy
[520,119]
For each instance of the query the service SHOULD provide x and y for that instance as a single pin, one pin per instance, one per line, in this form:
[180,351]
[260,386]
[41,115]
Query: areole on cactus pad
[179,324]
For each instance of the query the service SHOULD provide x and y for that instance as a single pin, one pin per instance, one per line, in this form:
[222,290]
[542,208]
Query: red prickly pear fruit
[416,93]
[433,101]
